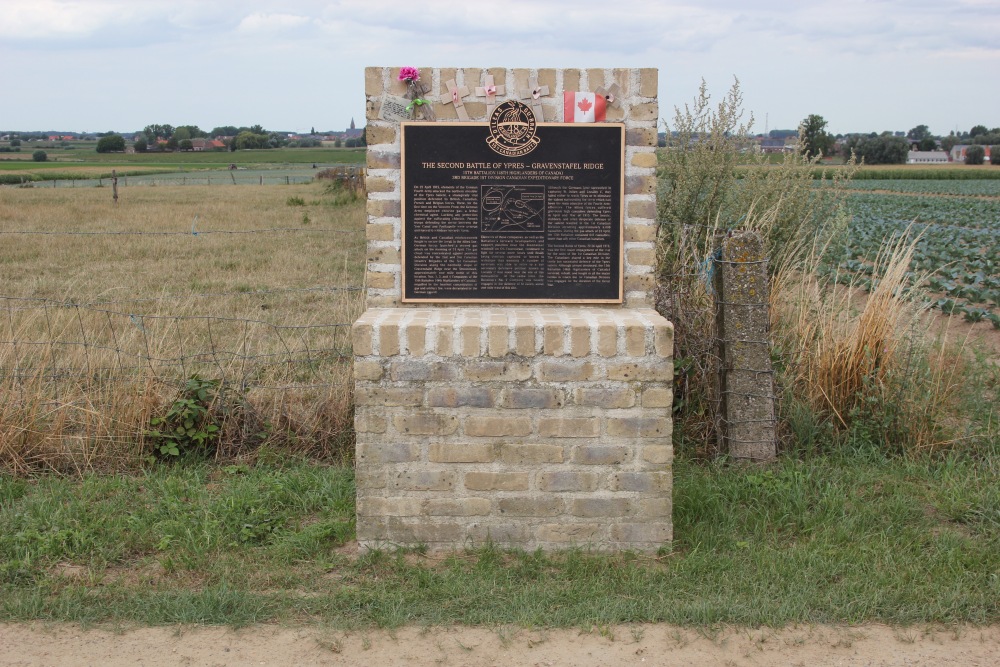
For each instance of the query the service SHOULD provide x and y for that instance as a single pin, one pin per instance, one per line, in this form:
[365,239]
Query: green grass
[187,159]
[843,539]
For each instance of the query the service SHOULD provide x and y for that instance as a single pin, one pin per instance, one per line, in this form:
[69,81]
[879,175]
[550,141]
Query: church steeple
[352,124]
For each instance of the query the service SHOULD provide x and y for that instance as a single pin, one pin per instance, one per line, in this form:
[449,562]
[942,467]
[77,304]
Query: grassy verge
[846,538]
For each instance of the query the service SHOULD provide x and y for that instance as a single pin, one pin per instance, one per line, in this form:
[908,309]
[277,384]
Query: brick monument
[512,380]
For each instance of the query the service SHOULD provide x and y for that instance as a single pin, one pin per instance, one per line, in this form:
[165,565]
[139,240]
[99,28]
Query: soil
[813,646]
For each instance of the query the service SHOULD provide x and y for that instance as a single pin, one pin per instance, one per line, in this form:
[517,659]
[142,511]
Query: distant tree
[182,133]
[877,150]
[995,154]
[782,134]
[977,130]
[39,156]
[975,154]
[172,143]
[363,141]
[114,143]
[337,143]
[185,145]
[154,132]
[312,130]
[947,143]
[193,132]
[141,146]
[248,140]
[919,133]
[813,136]
[927,144]
[225,131]
[257,129]
[14,143]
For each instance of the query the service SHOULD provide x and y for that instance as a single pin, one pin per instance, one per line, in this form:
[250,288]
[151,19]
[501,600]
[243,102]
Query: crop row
[989,188]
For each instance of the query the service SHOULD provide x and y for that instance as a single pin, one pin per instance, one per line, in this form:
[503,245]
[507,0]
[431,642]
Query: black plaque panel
[482,227]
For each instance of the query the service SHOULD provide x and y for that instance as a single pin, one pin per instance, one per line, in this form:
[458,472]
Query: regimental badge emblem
[512,129]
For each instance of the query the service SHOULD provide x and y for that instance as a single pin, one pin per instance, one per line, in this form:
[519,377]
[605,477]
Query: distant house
[770,145]
[927,157]
[958,152]
[352,132]
[207,145]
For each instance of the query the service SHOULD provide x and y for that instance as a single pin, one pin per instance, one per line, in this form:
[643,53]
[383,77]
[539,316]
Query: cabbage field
[959,247]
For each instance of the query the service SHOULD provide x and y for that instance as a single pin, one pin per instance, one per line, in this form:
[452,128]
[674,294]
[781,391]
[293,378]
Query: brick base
[529,427]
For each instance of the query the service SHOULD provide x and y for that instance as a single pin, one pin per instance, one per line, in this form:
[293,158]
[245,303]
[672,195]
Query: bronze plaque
[512,211]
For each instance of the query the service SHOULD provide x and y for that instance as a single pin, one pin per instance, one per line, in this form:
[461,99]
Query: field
[958,253]
[107,309]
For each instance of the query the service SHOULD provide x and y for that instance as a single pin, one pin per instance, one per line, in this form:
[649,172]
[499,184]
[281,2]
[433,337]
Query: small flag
[583,107]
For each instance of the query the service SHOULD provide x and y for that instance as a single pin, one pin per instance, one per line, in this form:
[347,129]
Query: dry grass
[100,324]
[870,359]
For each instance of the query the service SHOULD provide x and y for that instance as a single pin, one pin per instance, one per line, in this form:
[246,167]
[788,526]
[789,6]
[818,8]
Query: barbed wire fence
[81,377]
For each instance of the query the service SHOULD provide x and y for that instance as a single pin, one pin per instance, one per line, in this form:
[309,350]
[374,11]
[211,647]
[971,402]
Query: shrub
[995,154]
[190,425]
[39,156]
[112,143]
[975,155]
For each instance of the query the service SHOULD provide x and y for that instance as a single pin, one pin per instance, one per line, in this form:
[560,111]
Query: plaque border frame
[402,225]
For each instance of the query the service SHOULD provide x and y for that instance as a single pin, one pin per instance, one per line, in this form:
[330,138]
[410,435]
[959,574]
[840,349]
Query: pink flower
[409,74]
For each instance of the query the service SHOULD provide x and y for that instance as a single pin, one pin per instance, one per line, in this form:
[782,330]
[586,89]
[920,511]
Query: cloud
[271,23]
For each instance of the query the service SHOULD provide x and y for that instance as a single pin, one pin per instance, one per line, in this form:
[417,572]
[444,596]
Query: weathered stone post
[746,422]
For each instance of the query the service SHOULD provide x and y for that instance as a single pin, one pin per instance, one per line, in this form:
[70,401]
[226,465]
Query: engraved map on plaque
[539,221]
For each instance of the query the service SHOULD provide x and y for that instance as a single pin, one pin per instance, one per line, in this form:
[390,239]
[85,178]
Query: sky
[863,65]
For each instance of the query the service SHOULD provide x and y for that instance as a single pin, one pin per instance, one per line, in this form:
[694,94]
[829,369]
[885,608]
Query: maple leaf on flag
[585,105]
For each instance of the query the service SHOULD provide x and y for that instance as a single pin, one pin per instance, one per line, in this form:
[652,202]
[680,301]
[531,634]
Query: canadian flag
[583,107]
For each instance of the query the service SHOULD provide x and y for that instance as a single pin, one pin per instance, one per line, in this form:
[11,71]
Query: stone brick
[365,369]
[455,397]
[387,452]
[644,160]
[388,396]
[461,453]
[380,134]
[380,232]
[498,339]
[421,531]
[604,397]
[471,346]
[384,255]
[504,533]
[641,256]
[379,280]
[425,424]
[607,339]
[388,339]
[648,82]
[641,136]
[569,533]
[379,184]
[368,422]
[554,339]
[457,507]
[569,427]
[641,482]
[547,77]
[476,110]
[531,454]
[640,234]
[601,507]
[524,337]
[635,340]
[603,455]
[656,508]
[496,481]
[633,533]
[642,208]
[416,340]
[530,506]
[486,427]
[640,185]
[507,371]
[533,398]
[373,81]
[657,397]
[579,335]
[571,79]
[631,372]
[361,339]
[641,427]
[645,282]
[566,371]
[382,159]
[420,370]
[658,454]
[595,79]
[663,341]
[445,342]
[368,477]
[564,480]
[383,208]
[424,480]
[645,111]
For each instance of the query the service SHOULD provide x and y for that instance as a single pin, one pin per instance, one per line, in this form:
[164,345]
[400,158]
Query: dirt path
[812,646]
